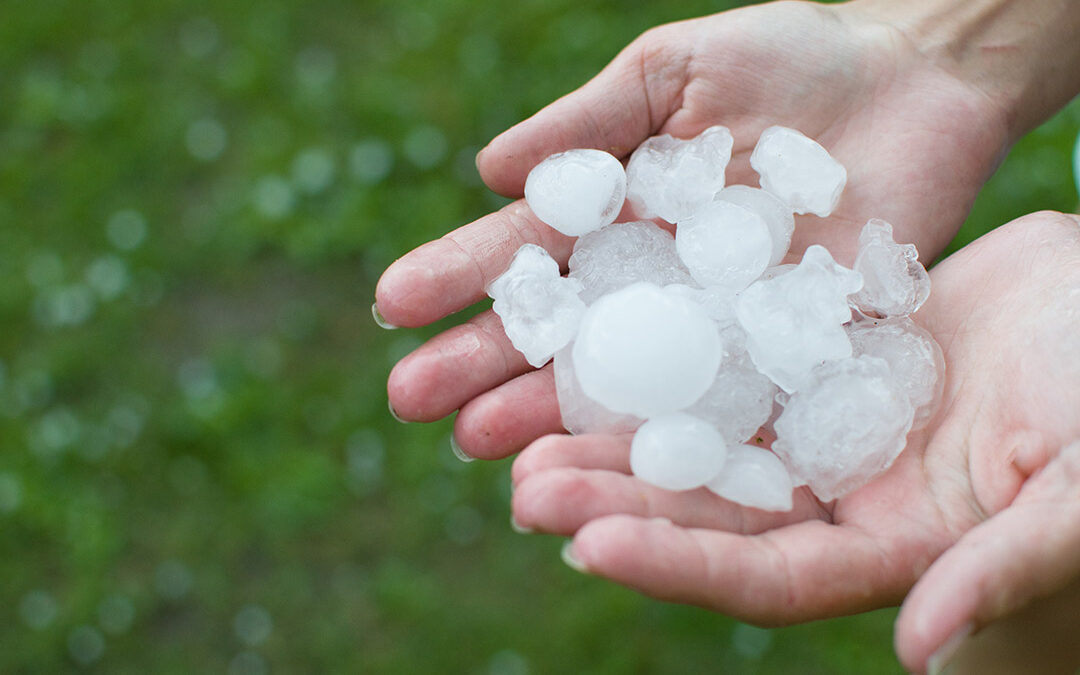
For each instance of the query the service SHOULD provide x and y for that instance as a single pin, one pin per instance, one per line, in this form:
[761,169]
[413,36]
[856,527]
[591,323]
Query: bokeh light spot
[206,139]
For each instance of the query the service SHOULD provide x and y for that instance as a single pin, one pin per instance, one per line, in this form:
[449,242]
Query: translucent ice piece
[724,244]
[794,322]
[580,414]
[540,310]
[669,178]
[913,355]
[719,303]
[798,170]
[739,401]
[754,477]
[677,452]
[622,253]
[645,352]
[577,191]
[773,210]
[846,426]
[895,283]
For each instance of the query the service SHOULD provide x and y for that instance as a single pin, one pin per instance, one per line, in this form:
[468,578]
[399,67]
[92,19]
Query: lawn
[198,469]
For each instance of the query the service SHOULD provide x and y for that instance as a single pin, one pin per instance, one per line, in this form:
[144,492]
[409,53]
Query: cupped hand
[980,513]
[917,143]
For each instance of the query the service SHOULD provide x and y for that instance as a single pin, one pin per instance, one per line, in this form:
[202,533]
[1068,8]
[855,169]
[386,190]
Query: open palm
[917,142]
[991,482]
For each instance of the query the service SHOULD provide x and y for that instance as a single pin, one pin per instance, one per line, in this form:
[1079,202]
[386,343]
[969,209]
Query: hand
[917,143]
[981,512]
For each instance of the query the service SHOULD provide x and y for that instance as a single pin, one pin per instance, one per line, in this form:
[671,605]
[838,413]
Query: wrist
[1022,55]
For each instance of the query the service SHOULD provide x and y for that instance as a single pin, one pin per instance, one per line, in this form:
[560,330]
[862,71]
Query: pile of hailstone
[699,341]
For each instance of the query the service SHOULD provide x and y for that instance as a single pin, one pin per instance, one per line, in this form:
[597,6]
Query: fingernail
[458,452]
[380,319]
[393,413]
[571,560]
[939,660]
[520,529]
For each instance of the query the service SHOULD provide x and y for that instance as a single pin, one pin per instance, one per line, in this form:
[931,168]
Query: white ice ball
[754,477]
[646,352]
[677,452]
[724,244]
[577,191]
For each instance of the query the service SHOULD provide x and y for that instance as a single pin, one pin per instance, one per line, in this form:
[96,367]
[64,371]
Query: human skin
[919,101]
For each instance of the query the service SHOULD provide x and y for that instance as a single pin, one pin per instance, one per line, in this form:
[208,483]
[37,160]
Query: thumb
[615,111]
[1028,551]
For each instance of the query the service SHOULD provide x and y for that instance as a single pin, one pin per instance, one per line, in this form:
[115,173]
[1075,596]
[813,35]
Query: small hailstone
[540,310]
[645,352]
[622,253]
[754,477]
[577,191]
[724,244]
[895,282]
[846,426]
[670,178]
[580,414]
[798,170]
[776,214]
[795,321]
[914,357]
[677,452]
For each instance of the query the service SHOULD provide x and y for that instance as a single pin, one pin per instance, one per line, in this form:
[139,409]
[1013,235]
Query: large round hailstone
[646,352]
[776,214]
[724,244]
[577,191]
[677,452]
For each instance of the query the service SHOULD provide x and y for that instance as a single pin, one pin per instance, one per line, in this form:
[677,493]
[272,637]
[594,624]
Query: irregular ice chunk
[677,452]
[540,310]
[847,425]
[645,352]
[776,214]
[798,170]
[580,414]
[577,191]
[914,357]
[669,177]
[622,253]
[795,321]
[895,283]
[754,477]
[739,401]
[724,244]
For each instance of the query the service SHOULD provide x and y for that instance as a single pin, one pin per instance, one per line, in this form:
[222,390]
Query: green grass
[196,202]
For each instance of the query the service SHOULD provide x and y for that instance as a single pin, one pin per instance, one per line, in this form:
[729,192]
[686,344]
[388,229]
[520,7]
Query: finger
[453,368]
[562,500]
[607,452]
[1027,551]
[802,572]
[624,104]
[506,419]
[448,274]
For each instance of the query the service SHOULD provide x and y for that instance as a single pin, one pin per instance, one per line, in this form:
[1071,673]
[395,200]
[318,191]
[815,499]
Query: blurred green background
[199,473]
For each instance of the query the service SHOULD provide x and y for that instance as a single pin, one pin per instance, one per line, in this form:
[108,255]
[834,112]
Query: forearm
[1024,55]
